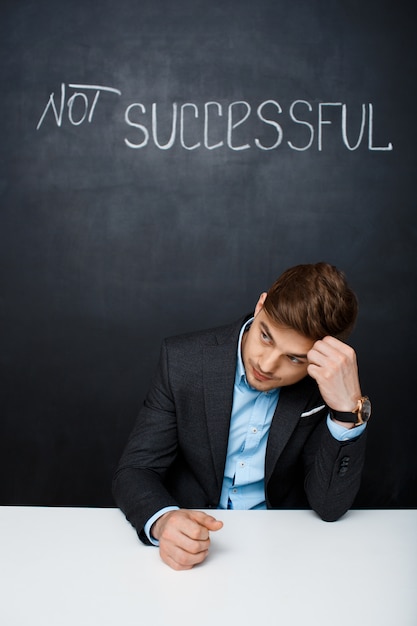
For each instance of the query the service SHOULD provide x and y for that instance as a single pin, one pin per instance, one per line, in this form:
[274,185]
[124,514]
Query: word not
[212,125]
[78,97]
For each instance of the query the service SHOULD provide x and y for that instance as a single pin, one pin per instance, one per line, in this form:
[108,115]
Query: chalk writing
[88,107]
[239,112]
[212,125]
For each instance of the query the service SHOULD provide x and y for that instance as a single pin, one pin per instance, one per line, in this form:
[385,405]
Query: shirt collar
[240,368]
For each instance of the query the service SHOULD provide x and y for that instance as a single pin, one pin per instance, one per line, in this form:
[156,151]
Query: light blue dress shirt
[252,413]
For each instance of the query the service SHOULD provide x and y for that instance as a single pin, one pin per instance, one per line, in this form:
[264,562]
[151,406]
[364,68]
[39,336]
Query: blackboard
[161,163]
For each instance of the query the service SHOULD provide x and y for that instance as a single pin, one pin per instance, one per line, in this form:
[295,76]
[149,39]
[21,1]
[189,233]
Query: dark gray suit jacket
[176,452]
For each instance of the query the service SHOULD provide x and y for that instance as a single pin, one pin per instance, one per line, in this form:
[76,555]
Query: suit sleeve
[333,472]
[138,487]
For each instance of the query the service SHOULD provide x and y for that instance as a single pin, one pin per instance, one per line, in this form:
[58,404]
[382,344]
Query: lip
[260,377]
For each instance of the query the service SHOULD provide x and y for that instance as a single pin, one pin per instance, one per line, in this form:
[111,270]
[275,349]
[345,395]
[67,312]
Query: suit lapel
[291,404]
[219,367]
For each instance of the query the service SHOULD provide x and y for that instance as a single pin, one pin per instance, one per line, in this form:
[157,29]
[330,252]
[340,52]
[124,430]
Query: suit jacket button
[343,467]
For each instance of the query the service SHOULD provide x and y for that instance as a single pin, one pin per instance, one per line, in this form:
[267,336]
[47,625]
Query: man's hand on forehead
[333,366]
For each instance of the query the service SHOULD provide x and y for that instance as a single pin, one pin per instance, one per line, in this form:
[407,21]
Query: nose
[269,363]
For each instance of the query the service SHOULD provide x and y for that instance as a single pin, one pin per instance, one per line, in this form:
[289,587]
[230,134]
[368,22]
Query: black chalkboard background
[105,248]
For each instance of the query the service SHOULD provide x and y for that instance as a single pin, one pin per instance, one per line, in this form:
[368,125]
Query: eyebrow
[268,332]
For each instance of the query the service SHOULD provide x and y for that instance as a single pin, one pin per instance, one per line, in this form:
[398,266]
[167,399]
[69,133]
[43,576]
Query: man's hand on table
[184,537]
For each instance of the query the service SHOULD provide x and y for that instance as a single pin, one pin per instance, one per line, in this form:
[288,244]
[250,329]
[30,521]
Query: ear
[260,302]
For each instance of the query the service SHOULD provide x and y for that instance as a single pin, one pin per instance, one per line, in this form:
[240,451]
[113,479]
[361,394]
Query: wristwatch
[362,412]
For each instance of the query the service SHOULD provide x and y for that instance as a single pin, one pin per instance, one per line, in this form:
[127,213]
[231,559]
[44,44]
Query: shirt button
[234,490]
[242,464]
[254,430]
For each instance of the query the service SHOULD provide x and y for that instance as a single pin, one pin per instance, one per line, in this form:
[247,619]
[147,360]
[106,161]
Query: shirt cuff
[152,520]
[344,434]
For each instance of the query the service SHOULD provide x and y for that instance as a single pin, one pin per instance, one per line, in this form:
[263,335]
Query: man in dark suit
[264,413]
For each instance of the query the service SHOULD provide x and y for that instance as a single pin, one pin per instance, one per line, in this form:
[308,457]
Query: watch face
[366,410]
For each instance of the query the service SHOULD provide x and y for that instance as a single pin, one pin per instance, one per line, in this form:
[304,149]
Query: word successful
[212,125]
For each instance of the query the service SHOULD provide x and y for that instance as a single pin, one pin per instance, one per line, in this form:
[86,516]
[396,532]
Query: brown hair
[315,300]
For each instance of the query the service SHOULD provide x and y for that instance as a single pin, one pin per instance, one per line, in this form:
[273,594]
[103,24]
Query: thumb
[213,523]
[208,521]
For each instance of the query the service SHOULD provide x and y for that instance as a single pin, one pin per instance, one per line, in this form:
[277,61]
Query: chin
[265,386]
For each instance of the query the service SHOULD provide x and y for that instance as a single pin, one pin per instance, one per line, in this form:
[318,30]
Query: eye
[265,337]
[295,360]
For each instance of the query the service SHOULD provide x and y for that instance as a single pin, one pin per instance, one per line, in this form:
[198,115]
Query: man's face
[273,356]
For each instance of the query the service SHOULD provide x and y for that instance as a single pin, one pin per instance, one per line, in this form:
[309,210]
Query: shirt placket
[245,471]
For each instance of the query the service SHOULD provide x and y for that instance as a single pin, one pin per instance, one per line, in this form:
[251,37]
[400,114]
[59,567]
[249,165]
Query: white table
[86,567]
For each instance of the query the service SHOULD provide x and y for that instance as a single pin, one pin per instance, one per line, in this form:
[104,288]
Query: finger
[183,552]
[321,348]
[330,351]
[177,542]
[313,370]
[317,357]
[200,531]
[207,521]
[191,545]
[185,529]
[181,560]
